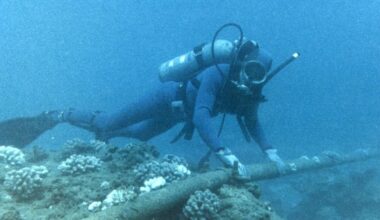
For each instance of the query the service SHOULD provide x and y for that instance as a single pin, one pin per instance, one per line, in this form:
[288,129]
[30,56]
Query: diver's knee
[83,119]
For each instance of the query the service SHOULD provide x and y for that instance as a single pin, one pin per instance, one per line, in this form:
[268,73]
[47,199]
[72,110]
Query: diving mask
[252,73]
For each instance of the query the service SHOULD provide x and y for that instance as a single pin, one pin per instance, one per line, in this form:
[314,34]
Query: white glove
[229,159]
[273,156]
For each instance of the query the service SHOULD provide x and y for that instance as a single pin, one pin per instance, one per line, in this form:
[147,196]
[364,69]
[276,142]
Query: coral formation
[132,154]
[239,203]
[105,185]
[253,188]
[95,206]
[78,146]
[69,192]
[79,164]
[118,196]
[171,168]
[11,155]
[115,197]
[38,154]
[153,183]
[11,214]
[202,205]
[73,195]
[26,182]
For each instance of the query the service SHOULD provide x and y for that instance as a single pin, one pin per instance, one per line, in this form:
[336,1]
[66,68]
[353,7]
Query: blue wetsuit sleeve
[211,83]
[254,127]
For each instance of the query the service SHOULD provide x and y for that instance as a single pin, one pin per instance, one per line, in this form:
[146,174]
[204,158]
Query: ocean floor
[81,180]
[347,192]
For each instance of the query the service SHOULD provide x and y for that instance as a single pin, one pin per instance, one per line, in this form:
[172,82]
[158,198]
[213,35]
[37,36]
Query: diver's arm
[257,133]
[254,127]
[211,83]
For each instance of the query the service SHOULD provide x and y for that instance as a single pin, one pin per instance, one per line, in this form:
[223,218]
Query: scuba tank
[188,65]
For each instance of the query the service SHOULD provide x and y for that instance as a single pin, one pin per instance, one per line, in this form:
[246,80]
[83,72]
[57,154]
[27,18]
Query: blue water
[97,54]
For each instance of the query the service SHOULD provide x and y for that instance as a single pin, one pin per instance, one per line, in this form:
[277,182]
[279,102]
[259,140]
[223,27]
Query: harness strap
[243,128]
[198,54]
[196,83]
[187,130]
[221,126]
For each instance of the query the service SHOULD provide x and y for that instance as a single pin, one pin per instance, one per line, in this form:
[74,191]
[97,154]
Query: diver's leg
[144,109]
[144,130]
[81,118]
[154,105]
[106,125]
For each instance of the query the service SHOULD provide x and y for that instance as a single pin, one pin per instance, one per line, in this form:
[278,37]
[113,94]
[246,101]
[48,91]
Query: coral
[69,191]
[171,168]
[170,158]
[153,183]
[94,206]
[78,146]
[11,214]
[11,155]
[38,154]
[115,197]
[118,196]
[79,164]
[105,185]
[239,203]
[202,205]
[26,182]
[132,154]
[253,188]
[98,145]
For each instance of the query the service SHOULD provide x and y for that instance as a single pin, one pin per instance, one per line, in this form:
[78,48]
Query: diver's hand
[240,172]
[230,160]
[273,156]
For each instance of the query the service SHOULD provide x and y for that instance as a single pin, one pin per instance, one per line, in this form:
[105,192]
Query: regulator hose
[239,43]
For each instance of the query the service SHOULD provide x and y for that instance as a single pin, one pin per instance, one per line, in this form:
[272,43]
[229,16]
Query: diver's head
[254,68]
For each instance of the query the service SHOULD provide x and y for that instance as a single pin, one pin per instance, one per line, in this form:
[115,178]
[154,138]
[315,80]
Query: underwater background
[98,54]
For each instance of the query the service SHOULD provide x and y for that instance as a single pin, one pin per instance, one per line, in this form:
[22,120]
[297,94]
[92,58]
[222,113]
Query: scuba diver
[221,77]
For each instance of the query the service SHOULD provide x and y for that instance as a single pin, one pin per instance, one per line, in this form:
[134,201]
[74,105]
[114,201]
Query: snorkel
[280,67]
[254,86]
[243,47]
